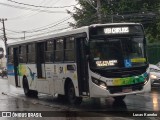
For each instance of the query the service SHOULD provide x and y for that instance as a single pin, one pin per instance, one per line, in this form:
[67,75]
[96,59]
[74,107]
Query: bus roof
[69,32]
[112,24]
[54,35]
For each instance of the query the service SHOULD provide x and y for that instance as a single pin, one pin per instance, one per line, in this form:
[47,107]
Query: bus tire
[26,87]
[61,97]
[72,99]
[33,93]
[119,98]
[27,91]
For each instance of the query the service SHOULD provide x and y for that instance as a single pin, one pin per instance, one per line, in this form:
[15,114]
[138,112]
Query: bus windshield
[117,52]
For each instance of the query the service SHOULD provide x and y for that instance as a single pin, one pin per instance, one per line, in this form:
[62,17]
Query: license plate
[127,90]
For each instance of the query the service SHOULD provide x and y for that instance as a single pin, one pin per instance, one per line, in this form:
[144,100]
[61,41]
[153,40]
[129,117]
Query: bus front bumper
[97,91]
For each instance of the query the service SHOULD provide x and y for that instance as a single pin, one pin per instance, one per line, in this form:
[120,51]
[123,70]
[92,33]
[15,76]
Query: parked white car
[155,74]
[158,64]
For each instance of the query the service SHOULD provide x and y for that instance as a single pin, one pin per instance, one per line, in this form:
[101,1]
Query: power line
[16,33]
[89,2]
[45,33]
[53,30]
[30,13]
[25,8]
[40,6]
[13,31]
[49,31]
[35,35]
[49,27]
[62,25]
[45,27]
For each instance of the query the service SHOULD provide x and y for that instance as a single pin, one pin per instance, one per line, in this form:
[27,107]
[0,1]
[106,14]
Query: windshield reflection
[113,52]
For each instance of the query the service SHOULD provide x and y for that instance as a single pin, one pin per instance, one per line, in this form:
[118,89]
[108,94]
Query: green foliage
[143,11]
[84,16]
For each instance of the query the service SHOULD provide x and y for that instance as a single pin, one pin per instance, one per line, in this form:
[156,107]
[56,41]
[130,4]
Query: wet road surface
[13,99]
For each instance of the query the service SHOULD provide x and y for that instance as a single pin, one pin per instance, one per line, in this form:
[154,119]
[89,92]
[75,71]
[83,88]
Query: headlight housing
[154,70]
[99,83]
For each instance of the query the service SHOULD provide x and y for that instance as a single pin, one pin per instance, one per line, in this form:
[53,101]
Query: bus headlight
[99,83]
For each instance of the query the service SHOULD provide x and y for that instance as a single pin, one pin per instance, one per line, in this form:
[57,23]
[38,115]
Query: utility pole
[99,11]
[4,33]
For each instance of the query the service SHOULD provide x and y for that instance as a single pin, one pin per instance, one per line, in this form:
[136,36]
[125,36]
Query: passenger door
[40,60]
[82,66]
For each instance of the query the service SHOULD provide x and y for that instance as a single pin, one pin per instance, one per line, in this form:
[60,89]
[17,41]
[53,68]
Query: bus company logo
[6,114]
[60,69]
[32,74]
[21,114]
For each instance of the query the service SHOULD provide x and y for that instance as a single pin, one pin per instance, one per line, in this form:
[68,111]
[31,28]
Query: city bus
[96,61]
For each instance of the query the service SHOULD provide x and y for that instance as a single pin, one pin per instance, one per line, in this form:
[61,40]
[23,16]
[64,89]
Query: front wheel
[26,87]
[72,99]
[27,91]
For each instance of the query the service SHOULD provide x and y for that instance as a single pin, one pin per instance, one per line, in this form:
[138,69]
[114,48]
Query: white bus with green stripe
[102,60]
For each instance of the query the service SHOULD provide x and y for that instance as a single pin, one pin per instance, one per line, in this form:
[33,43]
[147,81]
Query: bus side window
[22,54]
[69,49]
[59,50]
[49,50]
[31,53]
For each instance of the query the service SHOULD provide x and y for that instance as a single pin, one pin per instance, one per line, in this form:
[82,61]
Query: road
[13,99]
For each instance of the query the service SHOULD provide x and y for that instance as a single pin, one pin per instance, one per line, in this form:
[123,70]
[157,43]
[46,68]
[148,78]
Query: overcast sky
[35,17]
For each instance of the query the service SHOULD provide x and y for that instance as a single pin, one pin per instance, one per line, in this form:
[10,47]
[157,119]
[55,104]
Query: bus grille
[121,73]
[119,89]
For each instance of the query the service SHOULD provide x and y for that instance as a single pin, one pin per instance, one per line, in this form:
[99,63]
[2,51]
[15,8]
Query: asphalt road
[13,99]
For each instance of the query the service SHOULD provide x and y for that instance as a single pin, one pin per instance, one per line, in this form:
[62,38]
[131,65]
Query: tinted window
[22,54]
[69,49]
[49,50]
[31,53]
[59,50]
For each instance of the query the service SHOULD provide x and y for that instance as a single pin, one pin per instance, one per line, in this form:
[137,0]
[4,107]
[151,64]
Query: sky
[34,18]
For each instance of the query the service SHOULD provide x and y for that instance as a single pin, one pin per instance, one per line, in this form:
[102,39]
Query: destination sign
[116,30]
[106,63]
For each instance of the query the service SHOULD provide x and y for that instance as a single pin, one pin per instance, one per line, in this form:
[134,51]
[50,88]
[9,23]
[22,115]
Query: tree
[85,15]
[143,11]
